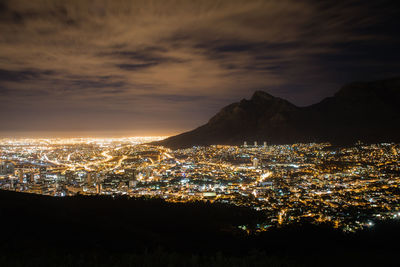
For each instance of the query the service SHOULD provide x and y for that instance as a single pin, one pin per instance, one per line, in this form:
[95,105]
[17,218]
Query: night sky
[161,67]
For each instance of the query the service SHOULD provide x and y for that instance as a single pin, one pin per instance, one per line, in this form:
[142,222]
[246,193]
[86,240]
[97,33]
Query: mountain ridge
[366,111]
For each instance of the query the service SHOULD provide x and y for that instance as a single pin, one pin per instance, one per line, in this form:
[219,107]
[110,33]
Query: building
[43,173]
[132,183]
[255,162]
[90,177]
[21,176]
[69,176]
[6,168]
[30,178]
[130,174]
[99,188]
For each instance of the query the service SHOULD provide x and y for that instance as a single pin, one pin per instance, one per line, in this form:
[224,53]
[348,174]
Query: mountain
[366,111]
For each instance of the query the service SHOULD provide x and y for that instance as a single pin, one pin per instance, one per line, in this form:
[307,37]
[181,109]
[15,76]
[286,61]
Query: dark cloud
[149,53]
[137,66]
[128,64]
[23,75]
[176,98]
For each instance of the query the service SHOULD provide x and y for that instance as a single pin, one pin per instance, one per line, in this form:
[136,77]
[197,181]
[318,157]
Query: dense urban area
[348,187]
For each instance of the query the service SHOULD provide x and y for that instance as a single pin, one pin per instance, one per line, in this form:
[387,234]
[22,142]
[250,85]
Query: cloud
[136,66]
[23,75]
[164,58]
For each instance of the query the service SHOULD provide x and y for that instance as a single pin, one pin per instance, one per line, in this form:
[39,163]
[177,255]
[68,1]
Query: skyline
[162,67]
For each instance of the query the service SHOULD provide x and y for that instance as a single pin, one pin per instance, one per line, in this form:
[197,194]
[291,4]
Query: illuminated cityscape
[199,133]
[348,187]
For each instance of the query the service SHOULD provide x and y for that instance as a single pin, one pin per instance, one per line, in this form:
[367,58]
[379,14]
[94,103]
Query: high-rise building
[43,173]
[98,188]
[12,181]
[21,176]
[255,162]
[265,144]
[90,177]
[255,143]
[30,178]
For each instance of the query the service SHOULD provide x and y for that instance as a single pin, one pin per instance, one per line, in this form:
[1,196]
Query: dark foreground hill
[365,111]
[105,231]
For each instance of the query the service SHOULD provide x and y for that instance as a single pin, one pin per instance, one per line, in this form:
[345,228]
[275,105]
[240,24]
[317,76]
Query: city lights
[289,183]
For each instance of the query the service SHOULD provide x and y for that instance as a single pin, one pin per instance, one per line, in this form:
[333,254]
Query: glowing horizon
[81,135]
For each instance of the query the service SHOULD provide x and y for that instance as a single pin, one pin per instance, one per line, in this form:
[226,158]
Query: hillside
[106,231]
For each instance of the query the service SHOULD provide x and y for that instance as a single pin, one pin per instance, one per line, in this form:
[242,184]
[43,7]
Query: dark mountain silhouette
[365,111]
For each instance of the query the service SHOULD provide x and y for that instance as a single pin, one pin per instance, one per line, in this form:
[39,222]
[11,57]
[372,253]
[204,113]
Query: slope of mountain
[366,111]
